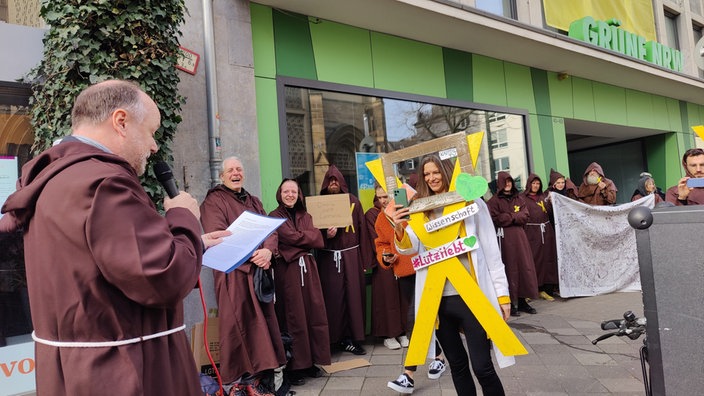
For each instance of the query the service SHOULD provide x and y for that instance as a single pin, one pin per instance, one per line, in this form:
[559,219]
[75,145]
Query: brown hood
[300,204]
[501,179]
[593,166]
[19,207]
[554,175]
[532,177]
[333,171]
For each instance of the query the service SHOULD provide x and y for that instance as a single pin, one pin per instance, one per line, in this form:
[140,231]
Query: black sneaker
[403,384]
[314,372]
[523,306]
[353,347]
[436,368]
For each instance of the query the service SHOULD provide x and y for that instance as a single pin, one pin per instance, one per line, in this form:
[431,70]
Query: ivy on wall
[92,41]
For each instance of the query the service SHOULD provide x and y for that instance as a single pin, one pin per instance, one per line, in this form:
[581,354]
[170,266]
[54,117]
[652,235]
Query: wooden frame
[456,143]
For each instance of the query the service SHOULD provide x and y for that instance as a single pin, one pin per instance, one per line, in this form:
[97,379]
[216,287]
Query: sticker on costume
[444,252]
[451,218]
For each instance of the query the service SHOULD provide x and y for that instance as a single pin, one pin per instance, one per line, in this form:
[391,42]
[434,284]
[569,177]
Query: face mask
[592,179]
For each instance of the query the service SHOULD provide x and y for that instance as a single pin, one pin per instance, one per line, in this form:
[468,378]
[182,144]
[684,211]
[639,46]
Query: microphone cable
[205,337]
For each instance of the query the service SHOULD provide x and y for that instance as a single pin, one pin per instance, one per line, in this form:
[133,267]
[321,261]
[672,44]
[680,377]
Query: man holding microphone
[106,272]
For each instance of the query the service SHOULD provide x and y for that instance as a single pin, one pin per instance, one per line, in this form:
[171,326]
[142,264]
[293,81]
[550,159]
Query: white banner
[596,247]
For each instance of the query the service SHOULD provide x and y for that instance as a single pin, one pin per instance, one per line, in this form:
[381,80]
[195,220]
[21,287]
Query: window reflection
[16,139]
[326,127]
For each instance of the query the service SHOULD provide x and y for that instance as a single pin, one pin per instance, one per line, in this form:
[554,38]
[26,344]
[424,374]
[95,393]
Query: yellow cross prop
[452,270]
[347,229]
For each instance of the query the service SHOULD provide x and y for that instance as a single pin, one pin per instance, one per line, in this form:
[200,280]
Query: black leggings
[454,315]
[408,287]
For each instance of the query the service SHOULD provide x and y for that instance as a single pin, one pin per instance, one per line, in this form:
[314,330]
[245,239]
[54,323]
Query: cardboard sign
[332,210]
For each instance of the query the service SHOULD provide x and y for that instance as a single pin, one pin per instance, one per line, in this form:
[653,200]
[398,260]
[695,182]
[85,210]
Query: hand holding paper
[248,233]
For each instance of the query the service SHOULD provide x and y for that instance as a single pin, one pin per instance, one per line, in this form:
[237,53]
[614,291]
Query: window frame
[282,82]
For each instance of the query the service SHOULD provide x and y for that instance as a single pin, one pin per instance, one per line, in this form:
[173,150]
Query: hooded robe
[541,233]
[300,306]
[103,265]
[389,311]
[509,213]
[591,193]
[250,340]
[341,264]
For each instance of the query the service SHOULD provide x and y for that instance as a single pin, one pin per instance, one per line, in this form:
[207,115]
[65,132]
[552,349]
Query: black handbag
[264,284]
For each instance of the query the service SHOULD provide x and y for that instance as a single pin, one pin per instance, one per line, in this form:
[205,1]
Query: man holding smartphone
[690,189]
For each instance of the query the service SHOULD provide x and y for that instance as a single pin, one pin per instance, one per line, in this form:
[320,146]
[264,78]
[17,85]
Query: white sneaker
[436,368]
[391,343]
[403,384]
[403,340]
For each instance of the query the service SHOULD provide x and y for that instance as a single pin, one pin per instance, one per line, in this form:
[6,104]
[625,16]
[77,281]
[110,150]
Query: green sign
[610,36]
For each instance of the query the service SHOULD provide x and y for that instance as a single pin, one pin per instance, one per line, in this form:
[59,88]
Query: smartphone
[695,182]
[401,198]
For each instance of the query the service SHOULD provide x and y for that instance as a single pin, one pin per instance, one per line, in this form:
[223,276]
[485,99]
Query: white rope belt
[103,344]
[500,235]
[542,229]
[337,255]
[304,269]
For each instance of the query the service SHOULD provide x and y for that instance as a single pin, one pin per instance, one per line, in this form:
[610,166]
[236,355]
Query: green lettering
[666,57]
[618,36]
[581,28]
[641,47]
[604,35]
[631,45]
[677,60]
[653,52]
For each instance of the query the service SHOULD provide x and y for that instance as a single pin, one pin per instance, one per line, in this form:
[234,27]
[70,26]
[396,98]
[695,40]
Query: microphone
[166,178]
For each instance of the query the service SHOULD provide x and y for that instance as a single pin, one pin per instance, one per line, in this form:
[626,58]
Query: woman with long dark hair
[484,266]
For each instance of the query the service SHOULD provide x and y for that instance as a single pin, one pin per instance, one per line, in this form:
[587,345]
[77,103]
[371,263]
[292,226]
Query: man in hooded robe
[510,214]
[596,189]
[341,264]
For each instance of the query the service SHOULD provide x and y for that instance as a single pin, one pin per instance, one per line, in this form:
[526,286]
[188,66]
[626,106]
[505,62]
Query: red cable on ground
[205,337]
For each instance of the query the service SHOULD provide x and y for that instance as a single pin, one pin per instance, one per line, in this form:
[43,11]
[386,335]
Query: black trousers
[454,315]
[408,288]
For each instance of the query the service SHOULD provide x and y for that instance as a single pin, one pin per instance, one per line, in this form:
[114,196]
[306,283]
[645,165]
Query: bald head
[96,103]
[121,117]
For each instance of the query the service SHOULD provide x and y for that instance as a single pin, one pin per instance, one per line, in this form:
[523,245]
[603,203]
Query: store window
[16,139]
[331,124]
[505,8]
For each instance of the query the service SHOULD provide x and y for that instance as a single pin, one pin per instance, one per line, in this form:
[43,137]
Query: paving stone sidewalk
[561,360]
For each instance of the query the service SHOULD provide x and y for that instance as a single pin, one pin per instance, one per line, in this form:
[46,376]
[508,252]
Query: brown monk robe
[389,310]
[597,189]
[510,214]
[541,236]
[106,273]
[250,340]
[300,306]
[341,265]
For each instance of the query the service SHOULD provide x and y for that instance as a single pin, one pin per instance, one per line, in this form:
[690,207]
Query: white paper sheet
[248,232]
